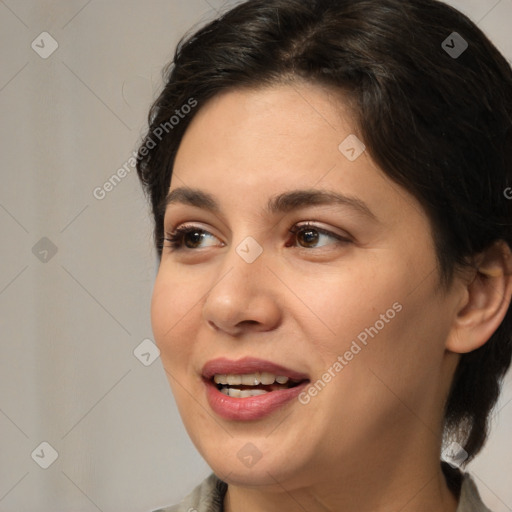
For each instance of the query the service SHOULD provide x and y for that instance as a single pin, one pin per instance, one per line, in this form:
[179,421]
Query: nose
[244,299]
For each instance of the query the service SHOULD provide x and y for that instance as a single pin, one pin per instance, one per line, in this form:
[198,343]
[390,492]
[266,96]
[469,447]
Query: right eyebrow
[192,197]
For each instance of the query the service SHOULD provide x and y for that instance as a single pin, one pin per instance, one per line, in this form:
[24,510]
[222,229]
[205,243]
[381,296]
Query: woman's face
[301,253]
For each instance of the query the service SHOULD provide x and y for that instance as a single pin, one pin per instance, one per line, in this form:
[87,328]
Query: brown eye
[307,236]
[190,237]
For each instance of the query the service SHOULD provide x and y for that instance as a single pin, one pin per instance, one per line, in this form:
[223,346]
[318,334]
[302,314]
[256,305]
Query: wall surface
[77,263]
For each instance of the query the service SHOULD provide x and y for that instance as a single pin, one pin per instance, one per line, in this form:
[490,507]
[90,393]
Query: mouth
[250,388]
[252,384]
[251,372]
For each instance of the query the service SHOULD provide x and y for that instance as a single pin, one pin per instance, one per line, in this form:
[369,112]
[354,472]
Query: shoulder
[208,496]
[463,487]
[470,500]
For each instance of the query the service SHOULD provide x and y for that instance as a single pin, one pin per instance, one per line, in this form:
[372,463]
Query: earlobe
[486,300]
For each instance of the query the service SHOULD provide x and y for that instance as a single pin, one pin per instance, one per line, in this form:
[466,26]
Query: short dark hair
[436,122]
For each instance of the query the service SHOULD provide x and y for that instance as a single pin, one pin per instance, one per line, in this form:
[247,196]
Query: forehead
[296,127]
[246,145]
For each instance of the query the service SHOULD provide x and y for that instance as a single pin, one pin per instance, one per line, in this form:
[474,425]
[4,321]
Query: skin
[370,440]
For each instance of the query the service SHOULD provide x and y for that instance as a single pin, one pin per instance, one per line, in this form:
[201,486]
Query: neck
[370,488]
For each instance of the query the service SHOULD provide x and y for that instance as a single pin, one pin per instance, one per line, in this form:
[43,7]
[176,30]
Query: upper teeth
[250,379]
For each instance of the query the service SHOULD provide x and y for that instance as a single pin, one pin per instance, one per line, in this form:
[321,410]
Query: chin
[249,467]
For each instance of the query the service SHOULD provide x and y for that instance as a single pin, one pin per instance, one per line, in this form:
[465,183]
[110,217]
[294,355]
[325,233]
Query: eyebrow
[282,203]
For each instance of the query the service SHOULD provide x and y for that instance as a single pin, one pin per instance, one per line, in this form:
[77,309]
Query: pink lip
[250,408]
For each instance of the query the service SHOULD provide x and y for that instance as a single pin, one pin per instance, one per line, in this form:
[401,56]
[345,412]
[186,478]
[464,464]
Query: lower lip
[252,407]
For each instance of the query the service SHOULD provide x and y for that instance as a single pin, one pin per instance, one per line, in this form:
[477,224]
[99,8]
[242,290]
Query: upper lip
[248,365]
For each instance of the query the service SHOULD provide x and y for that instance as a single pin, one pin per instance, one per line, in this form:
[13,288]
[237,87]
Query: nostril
[248,322]
[212,325]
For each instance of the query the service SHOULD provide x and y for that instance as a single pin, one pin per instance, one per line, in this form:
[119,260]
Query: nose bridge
[242,271]
[243,294]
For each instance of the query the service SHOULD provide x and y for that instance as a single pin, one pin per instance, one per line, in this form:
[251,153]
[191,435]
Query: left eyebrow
[288,201]
[282,203]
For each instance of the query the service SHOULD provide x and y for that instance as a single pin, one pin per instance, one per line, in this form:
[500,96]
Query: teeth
[250,379]
[245,393]
[267,378]
[220,379]
[234,379]
[252,392]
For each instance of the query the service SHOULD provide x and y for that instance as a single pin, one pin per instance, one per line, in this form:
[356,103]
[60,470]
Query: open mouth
[250,388]
[252,384]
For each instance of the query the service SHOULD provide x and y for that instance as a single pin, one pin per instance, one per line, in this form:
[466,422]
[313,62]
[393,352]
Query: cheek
[401,330]
[395,322]
[344,301]
[391,342]
[173,309]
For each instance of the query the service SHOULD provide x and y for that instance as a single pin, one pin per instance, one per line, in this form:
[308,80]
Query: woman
[328,182]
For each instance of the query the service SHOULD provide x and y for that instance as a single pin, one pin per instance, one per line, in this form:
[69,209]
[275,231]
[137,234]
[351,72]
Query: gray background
[70,321]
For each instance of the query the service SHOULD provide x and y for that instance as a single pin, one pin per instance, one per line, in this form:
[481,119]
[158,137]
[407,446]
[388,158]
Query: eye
[309,236]
[191,237]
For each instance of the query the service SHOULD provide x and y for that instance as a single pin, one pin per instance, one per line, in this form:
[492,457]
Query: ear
[485,300]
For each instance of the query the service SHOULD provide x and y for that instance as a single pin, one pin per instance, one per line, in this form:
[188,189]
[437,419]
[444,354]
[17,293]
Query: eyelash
[176,242]
[175,238]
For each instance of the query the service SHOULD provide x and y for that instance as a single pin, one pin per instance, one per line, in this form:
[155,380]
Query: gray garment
[209,496]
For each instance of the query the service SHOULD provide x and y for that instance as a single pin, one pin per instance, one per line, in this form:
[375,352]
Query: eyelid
[177,215]
[197,225]
[322,228]
[186,227]
[297,225]
[175,237]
